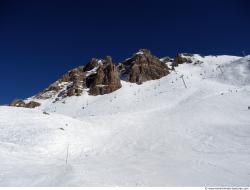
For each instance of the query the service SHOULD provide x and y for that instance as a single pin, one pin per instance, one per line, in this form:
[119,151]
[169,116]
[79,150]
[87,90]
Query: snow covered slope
[155,134]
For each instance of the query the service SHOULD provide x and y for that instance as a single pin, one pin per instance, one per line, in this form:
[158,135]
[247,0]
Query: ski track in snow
[155,134]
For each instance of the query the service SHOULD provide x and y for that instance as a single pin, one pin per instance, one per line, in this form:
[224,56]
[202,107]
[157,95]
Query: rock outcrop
[71,83]
[101,76]
[21,103]
[76,78]
[181,58]
[143,66]
[32,104]
[17,103]
[106,80]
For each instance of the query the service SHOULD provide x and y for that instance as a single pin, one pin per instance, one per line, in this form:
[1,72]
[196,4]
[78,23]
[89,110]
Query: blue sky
[42,39]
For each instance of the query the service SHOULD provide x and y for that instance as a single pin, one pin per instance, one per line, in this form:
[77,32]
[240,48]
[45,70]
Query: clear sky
[42,39]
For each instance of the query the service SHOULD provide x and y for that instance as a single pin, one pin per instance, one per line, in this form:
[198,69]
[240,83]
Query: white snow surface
[155,134]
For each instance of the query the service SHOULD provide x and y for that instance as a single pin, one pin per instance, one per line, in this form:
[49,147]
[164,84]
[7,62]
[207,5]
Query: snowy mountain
[168,122]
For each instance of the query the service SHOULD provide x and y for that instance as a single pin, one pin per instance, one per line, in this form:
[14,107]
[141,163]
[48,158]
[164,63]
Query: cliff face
[97,77]
[106,80]
[102,76]
[143,66]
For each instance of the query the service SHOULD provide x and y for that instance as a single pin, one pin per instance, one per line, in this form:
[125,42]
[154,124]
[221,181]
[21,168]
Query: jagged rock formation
[106,80]
[181,58]
[32,104]
[21,103]
[143,66]
[100,77]
[76,81]
[17,103]
[70,84]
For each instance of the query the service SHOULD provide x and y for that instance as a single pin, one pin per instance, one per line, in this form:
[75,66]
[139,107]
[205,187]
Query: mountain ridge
[141,67]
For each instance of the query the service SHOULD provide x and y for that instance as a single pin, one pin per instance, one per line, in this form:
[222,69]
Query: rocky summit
[143,66]
[181,58]
[106,79]
[102,76]
[98,77]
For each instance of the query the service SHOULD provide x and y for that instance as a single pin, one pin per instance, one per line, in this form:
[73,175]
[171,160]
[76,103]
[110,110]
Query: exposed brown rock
[143,66]
[73,81]
[53,88]
[17,103]
[181,58]
[76,76]
[106,79]
[91,65]
[102,76]
[32,104]
[21,103]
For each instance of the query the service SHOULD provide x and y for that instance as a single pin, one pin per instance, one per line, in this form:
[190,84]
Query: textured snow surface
[155,134]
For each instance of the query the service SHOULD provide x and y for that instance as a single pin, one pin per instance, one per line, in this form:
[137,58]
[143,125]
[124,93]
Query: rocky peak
[106,80]
[143,51]
[70,84]
[143,66]
[101,76]
[108,60]
[181,58]
[91,65]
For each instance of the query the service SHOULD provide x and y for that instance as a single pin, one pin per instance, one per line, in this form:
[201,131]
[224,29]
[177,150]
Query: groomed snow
[155,134]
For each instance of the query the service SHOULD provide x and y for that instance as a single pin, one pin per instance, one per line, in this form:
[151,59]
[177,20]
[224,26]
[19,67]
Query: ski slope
[155,134]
